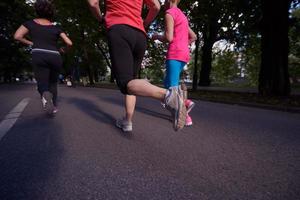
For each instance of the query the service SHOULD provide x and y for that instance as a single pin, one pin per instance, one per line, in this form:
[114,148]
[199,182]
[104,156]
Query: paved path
[231,152]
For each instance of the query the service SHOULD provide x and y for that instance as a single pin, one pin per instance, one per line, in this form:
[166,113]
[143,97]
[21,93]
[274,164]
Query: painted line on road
[12,117]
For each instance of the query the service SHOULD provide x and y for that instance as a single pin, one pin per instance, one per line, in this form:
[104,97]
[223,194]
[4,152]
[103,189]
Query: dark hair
[44,9]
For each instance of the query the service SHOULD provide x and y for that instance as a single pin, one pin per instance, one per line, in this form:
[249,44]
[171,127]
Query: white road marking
[11,118]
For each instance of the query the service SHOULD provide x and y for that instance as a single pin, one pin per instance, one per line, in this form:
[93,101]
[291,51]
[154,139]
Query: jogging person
[127,44]
[179,36]
[46,58]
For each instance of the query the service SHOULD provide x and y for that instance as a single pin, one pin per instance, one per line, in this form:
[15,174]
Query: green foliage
[294,57]
[154,62]
[75,19]
[216,20]
[235,21]
[86,34]
[251,59]
[225,67]
[14,58]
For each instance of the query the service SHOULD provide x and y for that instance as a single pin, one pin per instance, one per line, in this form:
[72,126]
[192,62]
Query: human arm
[192,36]
[169,30]
[20,34]
[169,26]
[95,9]
[154,7]
[67,41]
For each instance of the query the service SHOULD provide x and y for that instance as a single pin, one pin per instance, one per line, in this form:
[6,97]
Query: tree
[251,58]
[216,20]
[225,66]
[196,58]
[14,58]
[88,39]
[294,56]
[274,75]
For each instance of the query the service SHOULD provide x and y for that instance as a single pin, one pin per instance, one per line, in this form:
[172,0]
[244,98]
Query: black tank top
[43,36]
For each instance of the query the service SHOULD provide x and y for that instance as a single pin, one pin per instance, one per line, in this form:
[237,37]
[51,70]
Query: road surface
[231,152]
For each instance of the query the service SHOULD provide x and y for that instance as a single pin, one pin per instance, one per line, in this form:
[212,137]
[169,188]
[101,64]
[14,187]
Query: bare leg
[130,101]
[140,87]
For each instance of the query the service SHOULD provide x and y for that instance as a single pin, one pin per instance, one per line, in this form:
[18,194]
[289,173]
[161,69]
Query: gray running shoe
[124,125]
[49,107]
[175,104]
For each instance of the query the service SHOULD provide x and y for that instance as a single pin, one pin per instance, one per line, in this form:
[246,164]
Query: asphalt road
[231,152]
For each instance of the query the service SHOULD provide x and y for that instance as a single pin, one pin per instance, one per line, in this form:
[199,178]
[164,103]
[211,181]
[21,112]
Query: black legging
[127,47]
[47,66]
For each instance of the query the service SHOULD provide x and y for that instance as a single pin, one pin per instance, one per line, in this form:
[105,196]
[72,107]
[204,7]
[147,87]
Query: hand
[62,50]
[156,36]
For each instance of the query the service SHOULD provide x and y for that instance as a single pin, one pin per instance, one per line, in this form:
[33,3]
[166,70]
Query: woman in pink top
[179,36]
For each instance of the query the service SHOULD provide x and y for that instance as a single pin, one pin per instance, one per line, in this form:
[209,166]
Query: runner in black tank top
[46,58]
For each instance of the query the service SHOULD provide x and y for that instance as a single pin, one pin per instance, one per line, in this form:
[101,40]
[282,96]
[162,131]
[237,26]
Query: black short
[127,46]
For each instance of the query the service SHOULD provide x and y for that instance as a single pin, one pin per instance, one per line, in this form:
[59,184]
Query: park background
[246,49]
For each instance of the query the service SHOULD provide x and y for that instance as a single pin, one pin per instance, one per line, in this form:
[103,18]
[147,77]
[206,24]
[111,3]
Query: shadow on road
[119,102]
[153,113]
[96,113]
[93,110]
[30,155]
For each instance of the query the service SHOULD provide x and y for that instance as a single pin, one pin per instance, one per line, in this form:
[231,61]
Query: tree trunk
[274,76]
[7,76]
[196,70]
[206,64]
[90,74]
[90,70]
[210,37]
[112,78]
[104,55]
[96,75]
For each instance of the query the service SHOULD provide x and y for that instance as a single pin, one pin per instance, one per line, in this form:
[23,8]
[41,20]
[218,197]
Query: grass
[242,98]
[247,98]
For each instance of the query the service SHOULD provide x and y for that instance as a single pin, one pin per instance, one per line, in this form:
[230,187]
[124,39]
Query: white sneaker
[124,125]
[49,107]
[44,102]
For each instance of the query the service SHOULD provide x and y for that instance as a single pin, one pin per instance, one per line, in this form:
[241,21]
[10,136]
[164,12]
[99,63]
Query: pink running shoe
[188,121]
[189,105]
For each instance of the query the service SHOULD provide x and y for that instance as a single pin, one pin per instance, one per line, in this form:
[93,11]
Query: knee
[123,86]
[131,87]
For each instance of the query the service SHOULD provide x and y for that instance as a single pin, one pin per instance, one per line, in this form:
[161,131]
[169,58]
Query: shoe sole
[180,114]
[189,124]
[123,129]
[49,105]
